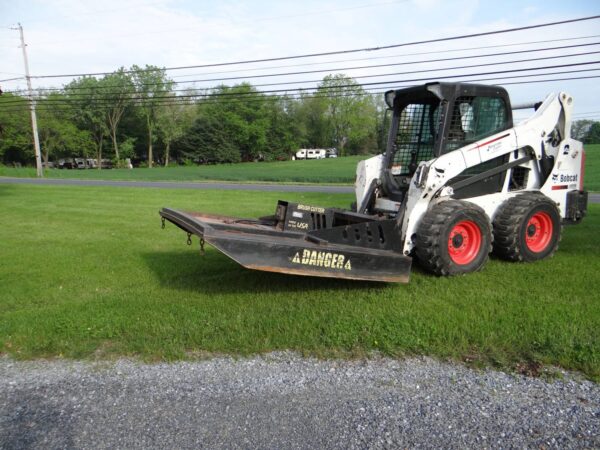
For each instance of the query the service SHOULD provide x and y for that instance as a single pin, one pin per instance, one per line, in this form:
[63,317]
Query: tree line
[139,113]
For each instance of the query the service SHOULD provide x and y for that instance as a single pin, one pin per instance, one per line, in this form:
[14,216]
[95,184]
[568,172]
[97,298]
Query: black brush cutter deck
[304,240]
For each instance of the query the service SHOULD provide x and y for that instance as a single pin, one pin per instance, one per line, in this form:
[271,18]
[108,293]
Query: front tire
[454,237]
[527,228]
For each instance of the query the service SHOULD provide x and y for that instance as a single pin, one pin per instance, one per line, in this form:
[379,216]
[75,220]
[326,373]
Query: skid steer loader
[457,180]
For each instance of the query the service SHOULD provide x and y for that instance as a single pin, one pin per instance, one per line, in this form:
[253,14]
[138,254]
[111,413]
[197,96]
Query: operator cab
[436,118]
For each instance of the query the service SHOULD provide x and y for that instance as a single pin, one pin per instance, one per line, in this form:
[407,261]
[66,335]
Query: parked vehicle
[310,153]
[315,153]
[66,163]
[80,163]
[300,154]
[331,153]
[107,164]
[92,163]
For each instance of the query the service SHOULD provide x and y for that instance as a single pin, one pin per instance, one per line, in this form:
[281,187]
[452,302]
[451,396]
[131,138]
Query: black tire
[447,242]
[521,230]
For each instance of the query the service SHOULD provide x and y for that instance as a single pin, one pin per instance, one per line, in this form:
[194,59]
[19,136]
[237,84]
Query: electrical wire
[386,57]
[339,69]
[261,97]
[373,83]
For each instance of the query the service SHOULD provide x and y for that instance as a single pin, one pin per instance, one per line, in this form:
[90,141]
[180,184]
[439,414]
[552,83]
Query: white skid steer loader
[457,181]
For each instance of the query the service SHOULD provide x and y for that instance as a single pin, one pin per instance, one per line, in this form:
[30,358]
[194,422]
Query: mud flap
[261,246]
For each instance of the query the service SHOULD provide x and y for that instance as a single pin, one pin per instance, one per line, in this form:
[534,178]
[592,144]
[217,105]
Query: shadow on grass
[216,273]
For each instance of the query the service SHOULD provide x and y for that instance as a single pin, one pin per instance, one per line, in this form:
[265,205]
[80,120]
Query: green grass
[87,272]
[333,170]
[592,167]
[338,170]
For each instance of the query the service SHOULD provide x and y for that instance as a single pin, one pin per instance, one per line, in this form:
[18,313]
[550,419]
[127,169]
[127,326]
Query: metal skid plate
[260,245]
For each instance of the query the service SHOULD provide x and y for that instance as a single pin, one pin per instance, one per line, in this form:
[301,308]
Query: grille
[318,220]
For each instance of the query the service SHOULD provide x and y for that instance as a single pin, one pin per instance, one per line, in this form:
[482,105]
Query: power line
[433,70]
[389,56]
[107,87]
[273,98]
[11,79]
[339,52]
[549,81]
[374,83]
[409,63]
[260,95]
[587,112]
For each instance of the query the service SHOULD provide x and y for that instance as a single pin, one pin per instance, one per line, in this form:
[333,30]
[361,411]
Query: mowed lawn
[334,170]
[88,273]
[331,170]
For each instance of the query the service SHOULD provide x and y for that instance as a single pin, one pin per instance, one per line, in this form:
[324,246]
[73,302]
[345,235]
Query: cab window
[474,118]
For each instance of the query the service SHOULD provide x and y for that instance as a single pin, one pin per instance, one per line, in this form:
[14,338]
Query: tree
[233,124]
[241,108]
[58,134]
[351,114]
[86,98]
[593,135]
[173,118]
[152,86]
[580,128]
[283,134]
[208,139]
[117,90]
[311,125]
[16,138]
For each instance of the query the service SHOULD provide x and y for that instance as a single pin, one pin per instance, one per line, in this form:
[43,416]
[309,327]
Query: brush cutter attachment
[305,240]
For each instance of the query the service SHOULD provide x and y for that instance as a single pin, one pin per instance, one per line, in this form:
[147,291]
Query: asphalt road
[284,401]
[326,189]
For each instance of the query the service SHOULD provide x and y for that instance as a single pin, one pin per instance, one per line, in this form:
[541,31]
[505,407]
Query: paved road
[186,185]
[284,401]
[593,197]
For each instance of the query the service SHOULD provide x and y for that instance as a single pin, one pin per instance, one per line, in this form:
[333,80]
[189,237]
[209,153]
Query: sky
[79,37]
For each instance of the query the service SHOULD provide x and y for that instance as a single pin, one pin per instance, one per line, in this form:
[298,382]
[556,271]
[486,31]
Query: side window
[474,118]
[416,137]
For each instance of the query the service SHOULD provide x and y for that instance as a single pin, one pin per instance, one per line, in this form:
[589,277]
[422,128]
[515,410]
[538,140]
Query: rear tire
[527,228]
[454,237]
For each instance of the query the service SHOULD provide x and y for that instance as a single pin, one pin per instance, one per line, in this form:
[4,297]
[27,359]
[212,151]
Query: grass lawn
[335,170]
[592,167]
[331,170]
[87,272]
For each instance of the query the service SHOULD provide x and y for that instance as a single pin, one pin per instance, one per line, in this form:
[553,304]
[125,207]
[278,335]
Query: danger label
[322,259]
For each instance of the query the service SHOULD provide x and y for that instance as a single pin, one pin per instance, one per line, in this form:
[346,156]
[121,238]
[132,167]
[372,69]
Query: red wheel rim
[538,232]
[464,242]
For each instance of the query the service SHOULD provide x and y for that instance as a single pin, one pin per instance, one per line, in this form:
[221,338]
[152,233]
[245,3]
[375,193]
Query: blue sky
[69,36]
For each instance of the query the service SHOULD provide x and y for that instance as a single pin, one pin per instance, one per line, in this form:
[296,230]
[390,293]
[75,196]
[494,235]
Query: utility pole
[36,139]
